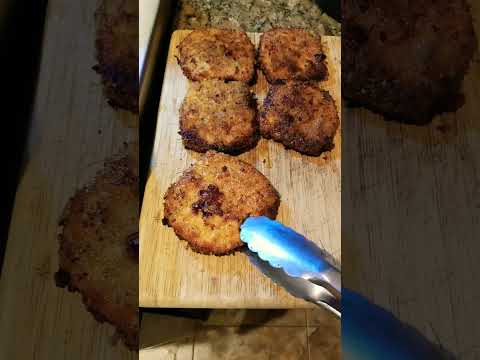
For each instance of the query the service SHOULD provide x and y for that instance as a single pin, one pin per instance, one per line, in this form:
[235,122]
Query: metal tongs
[369,332]
[293,262]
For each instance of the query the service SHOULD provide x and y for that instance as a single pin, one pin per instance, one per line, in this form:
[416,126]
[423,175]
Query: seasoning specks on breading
[117,52]
[409,66]
[208,203]
[301,116]
[291,54]
[219,116]
[217,54]
[98,254]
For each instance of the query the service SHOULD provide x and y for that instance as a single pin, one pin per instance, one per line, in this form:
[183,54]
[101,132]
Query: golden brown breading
[117,52]
[98,254]
[301,116]
[410,65]
[217,54]
[219,116]
[291,54]
[208,203]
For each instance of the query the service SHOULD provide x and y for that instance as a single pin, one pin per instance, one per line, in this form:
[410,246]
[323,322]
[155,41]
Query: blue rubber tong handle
[370,333]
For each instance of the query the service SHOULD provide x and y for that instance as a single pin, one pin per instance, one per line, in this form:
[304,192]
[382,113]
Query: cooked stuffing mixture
[256,15]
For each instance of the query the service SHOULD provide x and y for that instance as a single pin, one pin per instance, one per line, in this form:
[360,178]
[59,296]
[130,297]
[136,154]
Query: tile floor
[242,334]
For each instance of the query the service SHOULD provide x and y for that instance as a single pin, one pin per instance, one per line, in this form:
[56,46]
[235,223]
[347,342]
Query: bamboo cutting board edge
[214,282]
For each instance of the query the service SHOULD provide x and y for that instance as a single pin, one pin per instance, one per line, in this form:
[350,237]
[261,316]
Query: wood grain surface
[172,275]
[73,131]
[411,217]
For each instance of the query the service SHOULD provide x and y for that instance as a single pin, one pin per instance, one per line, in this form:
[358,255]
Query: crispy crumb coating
[117,52]
[98,255]
[209,202]
[301,116]
[291,54]
[410,65]
[217,54]
[219,116]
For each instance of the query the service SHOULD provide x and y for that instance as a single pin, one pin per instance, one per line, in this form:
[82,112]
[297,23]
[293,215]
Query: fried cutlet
[98,255]
[209,202]
[291,54]
[406,62]
[221,116]
[217,54]
[117,52]
[301,116]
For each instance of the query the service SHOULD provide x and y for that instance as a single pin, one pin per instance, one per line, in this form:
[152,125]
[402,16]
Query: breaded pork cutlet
[209,202]
[117,52]
[98,255]
[406,62]
[217,54]
[291,54]
[219,116]
[301,116]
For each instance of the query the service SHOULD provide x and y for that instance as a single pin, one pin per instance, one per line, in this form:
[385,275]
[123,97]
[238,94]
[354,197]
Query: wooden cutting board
[417,253]
[73,131]
[172,275]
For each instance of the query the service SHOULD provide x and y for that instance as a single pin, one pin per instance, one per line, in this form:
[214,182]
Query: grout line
[193,348]
[308,342]
[306,334]
[194,339]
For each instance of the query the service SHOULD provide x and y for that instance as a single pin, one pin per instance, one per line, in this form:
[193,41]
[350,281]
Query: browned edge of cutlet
[192,77]
[303,146]
[321,61]
[63,278]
